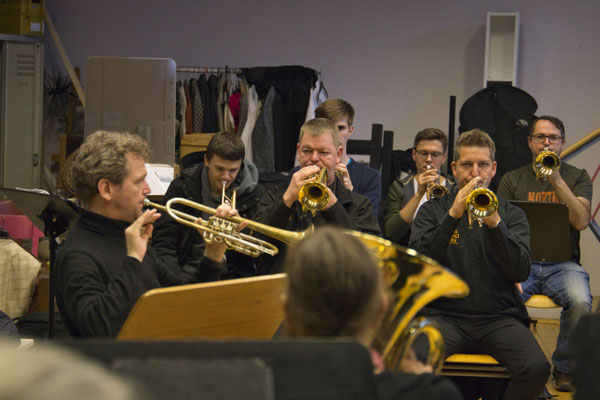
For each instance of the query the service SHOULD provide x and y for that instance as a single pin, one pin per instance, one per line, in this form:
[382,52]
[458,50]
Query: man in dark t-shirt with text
[567,284]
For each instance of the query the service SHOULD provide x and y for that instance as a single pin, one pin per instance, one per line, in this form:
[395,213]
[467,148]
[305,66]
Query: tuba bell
[546,163]
[412,281]
[313,196]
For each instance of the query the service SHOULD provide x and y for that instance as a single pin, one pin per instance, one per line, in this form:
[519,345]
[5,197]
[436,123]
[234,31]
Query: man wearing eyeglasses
[406,195]
[567,284]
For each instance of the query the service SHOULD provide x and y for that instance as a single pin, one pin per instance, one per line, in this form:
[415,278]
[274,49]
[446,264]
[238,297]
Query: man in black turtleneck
[106,264]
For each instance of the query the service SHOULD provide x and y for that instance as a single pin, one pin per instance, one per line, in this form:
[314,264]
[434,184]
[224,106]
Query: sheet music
[159,178]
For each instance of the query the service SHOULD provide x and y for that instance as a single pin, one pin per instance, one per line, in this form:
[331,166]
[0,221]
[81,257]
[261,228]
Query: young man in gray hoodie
[178,244]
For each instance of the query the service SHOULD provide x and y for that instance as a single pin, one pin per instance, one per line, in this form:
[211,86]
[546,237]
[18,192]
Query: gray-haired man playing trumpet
[318,147]
[105,265]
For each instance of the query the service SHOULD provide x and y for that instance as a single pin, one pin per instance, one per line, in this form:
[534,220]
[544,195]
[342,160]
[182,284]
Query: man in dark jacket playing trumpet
[223,171]
[319,147]
[491,256]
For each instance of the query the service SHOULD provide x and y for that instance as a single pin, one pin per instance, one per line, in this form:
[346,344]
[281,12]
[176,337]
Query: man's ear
[105,189]
[339,152]
[453,165]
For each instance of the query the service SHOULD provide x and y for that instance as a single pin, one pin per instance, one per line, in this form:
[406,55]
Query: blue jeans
[568,285]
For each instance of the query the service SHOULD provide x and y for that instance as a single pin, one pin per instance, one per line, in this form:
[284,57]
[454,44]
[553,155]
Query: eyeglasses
[541,138]
[424,153]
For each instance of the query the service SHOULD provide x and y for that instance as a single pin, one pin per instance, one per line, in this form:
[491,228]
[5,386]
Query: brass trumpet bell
[546,163]
[481,203]
[435,191]
[313,196]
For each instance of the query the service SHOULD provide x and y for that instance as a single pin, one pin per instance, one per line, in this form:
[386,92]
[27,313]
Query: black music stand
[52,215]
[315,369]
[550,232]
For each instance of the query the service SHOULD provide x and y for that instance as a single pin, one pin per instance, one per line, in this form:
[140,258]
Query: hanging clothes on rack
[251,105]
[318,95]
[263,136]
[293,84]
[266,106]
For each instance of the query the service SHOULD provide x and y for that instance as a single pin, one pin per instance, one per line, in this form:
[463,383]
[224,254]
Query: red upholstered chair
[18,226]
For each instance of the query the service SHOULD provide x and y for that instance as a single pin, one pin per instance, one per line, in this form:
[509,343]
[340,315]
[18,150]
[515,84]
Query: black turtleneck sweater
[97,284]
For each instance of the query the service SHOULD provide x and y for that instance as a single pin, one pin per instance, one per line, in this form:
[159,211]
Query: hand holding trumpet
[216,248]
[460,203]
[341,171]
[425,179]
[302,177]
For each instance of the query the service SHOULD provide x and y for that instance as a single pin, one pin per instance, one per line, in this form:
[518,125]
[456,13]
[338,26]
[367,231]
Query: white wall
[396,61]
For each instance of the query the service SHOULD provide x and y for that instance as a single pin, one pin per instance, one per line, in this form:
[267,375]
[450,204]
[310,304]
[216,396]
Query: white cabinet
[21,92]
[501,48]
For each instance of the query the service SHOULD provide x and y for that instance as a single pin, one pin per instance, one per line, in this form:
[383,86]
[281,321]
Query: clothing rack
[209,70]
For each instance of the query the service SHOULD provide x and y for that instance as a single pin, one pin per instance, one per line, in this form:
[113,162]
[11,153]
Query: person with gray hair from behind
[47,372]
[335,290]
[105,264]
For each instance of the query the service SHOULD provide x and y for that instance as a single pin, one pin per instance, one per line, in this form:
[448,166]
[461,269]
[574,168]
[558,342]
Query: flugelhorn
[435,190]
[546,163]
[313,196]
[481,203]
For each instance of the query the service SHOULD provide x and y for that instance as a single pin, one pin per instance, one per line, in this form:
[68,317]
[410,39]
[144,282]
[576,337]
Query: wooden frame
[194,142]
[237,308]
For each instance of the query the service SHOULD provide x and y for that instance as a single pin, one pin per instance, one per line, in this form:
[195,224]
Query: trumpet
[481,203]
[435,190]
[313,196]
[215,228]
[546,163]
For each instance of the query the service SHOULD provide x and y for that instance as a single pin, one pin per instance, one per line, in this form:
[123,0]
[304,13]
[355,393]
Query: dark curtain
[505,113]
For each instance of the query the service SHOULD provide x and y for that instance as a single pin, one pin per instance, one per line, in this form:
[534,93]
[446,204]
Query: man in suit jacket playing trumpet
[567,283]
[318,148]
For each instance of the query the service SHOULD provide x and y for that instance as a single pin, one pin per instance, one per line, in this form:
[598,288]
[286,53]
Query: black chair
[585,348]
[302,369]
[380,156]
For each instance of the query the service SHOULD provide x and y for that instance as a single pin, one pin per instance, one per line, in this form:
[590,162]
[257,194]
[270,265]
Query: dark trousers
[506,339]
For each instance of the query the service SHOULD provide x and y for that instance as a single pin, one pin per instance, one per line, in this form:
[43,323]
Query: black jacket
[352,211]
[97,284]
[177,244]
[489,260]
